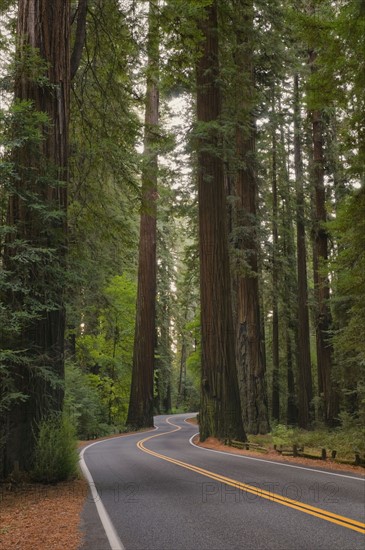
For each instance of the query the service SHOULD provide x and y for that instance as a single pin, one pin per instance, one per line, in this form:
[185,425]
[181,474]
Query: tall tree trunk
[291,403]
[289,284]
[304,360]
[140,412]
[42,172]
[289,306]
[163,382]
[182,376]
[320,256]
[249,343]
[275,406]
[220,414]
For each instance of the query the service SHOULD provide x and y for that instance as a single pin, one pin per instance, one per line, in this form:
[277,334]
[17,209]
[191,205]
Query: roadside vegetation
[55,457]
[347,440]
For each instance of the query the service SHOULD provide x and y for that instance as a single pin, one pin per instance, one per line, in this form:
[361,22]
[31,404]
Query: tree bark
[249,343]
[220,414]
[323,319]
[304,361]
[275,405]
[42,173]
[140,412]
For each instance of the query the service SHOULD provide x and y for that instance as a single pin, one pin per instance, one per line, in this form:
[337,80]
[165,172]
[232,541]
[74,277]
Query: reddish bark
[220,408]
[304,360]
[323,320]
[140,413]
[45,27]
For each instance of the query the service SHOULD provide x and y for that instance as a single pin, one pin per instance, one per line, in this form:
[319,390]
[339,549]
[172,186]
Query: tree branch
[79,37]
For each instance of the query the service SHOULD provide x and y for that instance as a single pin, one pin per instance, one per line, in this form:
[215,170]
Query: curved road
[157,491]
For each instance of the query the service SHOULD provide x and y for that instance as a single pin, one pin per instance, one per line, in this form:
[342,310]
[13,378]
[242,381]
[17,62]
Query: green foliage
[103,191]
[97,386]
[348,439]
[112,338]
[23,126]
[180,39]
[192,389]
[349,300]
[24,297]
[335,31]
[194,360]
[82,403]
[283,435]
[193,365]
[55,457]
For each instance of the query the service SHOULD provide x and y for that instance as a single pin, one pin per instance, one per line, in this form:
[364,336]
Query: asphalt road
[156,491]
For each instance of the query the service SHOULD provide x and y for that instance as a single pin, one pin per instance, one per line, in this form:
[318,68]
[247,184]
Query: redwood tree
[323,318]
[304,361]
[35,249]
[249,342]
[140,413]
[275,406]
[220,414]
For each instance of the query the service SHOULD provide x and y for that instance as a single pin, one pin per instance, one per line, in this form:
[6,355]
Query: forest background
[262,101]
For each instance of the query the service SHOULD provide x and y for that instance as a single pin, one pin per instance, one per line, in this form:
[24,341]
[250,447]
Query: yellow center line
[273,497]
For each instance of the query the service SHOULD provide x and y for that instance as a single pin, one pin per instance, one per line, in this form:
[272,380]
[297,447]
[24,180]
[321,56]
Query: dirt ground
[41,517]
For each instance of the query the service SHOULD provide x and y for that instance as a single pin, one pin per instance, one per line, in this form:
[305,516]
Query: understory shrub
[55,457]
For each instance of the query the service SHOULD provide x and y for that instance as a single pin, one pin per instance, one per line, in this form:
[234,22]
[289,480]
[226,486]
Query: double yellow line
[273,497]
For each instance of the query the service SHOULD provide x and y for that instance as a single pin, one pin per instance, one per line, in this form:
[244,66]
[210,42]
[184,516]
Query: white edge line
[112,535]
[271,461]
[113,538]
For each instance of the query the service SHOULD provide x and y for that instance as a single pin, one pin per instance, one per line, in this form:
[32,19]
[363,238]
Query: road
[157,491]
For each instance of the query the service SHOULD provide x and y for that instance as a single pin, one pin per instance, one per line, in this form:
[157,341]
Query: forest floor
[47,517]
[34,516]
[41,517]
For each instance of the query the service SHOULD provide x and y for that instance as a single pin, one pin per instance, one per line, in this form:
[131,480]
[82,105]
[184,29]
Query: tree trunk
[182,375]
[320,256]
[80,36]
[42,171]
[304,360]
[249,343]
[140,412]
[289,306]
[163,382]
[220,414]
[291,404]
[275,405]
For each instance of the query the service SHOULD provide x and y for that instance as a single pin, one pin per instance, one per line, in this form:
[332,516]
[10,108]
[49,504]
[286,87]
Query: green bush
[284,435]
[346,439]
[82,402]
[55,457]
